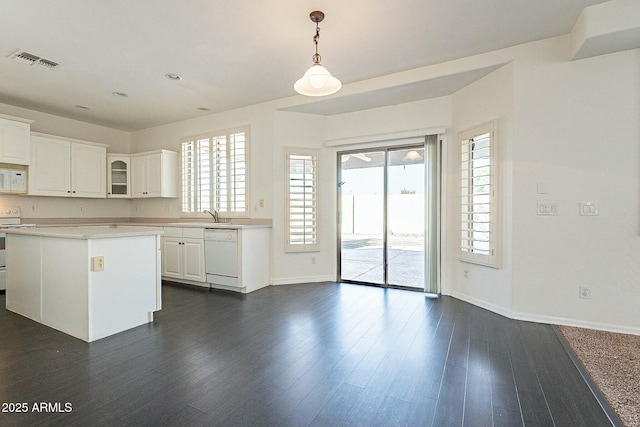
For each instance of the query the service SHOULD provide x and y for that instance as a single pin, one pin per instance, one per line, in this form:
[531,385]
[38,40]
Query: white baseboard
[551,320]
[483,304]
[577,323]
[303,279]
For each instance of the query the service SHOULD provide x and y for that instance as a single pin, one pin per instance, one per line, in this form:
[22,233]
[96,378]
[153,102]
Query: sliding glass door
[405,217]
[362,187]
[383,217]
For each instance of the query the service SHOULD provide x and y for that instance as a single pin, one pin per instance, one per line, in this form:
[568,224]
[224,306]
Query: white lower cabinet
[183,255]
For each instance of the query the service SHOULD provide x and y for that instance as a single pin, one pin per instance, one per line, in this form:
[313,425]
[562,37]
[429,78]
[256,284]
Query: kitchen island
[88,282]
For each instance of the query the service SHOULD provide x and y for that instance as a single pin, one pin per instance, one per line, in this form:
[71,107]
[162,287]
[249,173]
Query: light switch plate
[542,187]
[548,209]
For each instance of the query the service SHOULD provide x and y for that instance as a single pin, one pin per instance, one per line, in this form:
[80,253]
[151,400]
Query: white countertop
[223,225]
[213,225]
[88,232]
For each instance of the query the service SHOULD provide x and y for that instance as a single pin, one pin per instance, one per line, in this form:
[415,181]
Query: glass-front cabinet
[119,176]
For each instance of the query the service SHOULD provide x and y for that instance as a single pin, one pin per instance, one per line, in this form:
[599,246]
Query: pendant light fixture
[317,81]
[412,156]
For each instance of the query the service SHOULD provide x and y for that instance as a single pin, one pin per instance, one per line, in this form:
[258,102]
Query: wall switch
[542,187]
[547,209]
[589,209]
[97,263]
[585,292]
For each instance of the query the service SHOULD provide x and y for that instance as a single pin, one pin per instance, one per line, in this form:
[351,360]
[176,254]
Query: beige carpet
[613,361]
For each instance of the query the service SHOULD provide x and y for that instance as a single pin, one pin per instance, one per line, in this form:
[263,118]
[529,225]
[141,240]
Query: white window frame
[479,213]
[307,239]
[217,170]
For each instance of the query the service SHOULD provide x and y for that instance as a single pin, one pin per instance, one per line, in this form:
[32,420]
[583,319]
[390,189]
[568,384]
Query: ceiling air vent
[31,59]
[46,63]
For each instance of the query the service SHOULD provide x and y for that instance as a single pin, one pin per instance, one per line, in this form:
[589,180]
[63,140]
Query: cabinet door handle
[68,191]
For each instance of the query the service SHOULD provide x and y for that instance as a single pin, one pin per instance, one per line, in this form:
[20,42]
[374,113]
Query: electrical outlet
[466,274]
[313,259]
[97,263]
[585,292]
[81,208]
[262,203]
[33,208]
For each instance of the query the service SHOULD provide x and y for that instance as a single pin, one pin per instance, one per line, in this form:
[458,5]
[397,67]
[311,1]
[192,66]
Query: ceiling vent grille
[31,59]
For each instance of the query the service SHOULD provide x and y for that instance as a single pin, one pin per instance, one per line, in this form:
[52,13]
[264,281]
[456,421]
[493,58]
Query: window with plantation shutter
[302,199]
[215,171]
[479,210]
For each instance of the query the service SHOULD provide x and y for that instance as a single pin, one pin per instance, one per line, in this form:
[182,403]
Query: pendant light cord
[316,57]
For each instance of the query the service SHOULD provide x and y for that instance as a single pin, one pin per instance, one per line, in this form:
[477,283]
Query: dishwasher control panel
[221,235]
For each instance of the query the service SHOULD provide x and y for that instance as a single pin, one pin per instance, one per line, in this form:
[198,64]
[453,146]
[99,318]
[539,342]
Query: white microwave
[13,180]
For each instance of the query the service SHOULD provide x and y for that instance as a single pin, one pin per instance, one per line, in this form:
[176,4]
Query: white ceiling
[237,53]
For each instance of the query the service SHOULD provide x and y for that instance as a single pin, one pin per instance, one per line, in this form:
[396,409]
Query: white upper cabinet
[118,175]
[88,170]
[66,168]
[154,174]
[14,140]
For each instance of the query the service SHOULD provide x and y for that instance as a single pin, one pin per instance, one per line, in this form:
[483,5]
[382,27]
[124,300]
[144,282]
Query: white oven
[9,218]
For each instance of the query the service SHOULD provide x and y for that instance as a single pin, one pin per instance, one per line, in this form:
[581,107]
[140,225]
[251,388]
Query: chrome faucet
[214,214]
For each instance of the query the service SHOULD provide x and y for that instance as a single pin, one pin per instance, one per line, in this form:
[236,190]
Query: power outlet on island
[97,263]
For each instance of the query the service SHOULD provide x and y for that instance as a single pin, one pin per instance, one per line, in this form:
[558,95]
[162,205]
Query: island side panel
[255,258]
[64,286]
[124,294]
[23,276]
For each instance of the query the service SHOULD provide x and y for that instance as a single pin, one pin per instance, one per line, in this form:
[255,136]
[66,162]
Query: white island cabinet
[88,282]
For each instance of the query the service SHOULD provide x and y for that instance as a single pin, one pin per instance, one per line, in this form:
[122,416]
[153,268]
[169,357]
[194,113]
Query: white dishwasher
[221,256]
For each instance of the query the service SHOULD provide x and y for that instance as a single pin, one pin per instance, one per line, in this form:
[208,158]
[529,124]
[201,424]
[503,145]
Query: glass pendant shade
[317,81]
[412,156]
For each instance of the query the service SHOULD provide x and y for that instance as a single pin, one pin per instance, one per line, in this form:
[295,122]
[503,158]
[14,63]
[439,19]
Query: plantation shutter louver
[302,182]
[215,173]
[477,192]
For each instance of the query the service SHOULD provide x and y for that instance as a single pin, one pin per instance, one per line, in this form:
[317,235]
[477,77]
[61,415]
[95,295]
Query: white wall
[60,207]
[486,99]
[118,141]
[259,117]
[577,129]
[302,130]
[429,113]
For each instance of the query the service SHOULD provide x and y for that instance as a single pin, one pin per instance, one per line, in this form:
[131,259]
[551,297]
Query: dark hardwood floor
[314,354]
